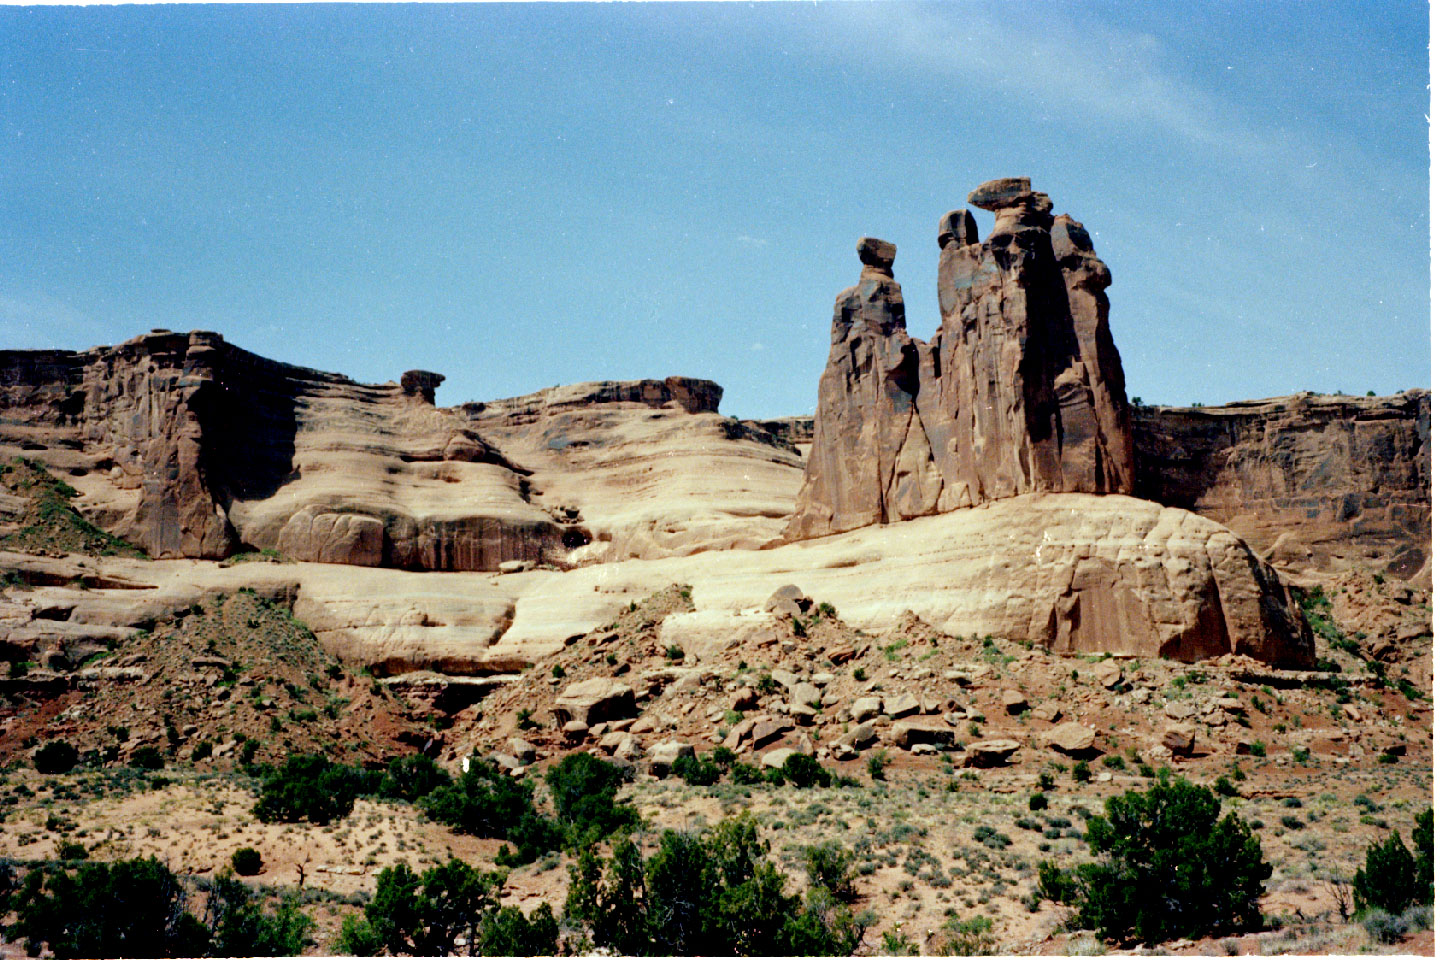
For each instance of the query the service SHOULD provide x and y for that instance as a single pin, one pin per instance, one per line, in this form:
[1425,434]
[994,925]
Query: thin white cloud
[751,241]
[1102,72]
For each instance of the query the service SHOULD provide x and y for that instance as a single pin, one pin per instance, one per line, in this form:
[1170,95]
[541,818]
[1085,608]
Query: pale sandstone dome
[1078,573]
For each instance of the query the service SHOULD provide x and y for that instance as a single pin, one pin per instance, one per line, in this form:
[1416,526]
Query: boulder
[1014,701]
[768,730]
[858,737]
[788,601]
[804,693]
[901,705]
[775,759]
[594,700]
[1107,673]
[522,749]
[576,730]
[1178,738]
[1071,738]
[865,708]
[990,753]
[921,730]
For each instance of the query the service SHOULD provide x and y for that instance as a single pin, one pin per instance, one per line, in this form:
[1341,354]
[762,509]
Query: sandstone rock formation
[645,468]
[192,447]
[1021,390]
[1306,479]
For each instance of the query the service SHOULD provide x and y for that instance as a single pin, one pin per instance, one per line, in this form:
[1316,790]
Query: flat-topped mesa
[1021,391]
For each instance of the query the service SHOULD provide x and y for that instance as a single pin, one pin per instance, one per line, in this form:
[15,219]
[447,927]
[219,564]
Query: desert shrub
[246,861]
[583,789]
[746,774]
[805,771]
[70,850]
[1046,781]
[1080,772]
[832,868]
[486,803]
[1393,879]
[410,778]
[148,758]
[990,837]
[1114,761]
[1225,788]
[696,773]
[1169,867]
[875,765]
[1038,801]
[704,894]
[129,908]
[965,938]
[56,756]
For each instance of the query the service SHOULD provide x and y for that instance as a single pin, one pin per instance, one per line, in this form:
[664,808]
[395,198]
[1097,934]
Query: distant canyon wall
[1306,479]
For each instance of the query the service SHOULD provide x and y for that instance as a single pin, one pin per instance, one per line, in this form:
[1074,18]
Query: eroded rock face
[1021,390]
[1305,479]
[191,447]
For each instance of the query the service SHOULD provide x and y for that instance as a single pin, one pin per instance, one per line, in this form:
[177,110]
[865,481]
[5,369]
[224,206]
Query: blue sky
[521,196]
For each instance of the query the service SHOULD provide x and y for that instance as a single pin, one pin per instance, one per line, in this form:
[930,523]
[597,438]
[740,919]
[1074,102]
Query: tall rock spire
[1021,391]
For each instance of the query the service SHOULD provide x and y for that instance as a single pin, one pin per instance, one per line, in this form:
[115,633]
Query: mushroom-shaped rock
[421,383]
[1001,193]
[1072,738]
[876,254]
[990,753]
[591,701]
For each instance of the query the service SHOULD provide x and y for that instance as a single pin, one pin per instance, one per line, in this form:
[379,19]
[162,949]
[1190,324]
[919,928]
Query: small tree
[1169,867]
[410,778]
[831,867]
[309,787]
[486,803]
[1392,879]
[129,908]
[56,756]
[583,789]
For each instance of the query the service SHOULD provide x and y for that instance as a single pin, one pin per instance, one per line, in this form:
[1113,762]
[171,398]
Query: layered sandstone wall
[1305,479]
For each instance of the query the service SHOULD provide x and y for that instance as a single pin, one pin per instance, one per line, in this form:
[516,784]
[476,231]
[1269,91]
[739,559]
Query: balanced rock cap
[421,383]
[876,253]
[999,194]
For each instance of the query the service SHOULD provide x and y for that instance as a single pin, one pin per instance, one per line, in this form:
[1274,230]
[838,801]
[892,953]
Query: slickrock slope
[1305,479]
[1020,392]
[646,468]
[1074,572]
